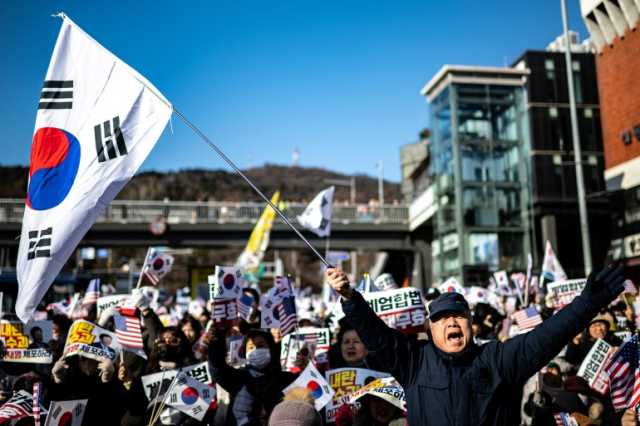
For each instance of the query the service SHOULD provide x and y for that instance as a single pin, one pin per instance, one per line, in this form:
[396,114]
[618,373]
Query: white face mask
[259,358]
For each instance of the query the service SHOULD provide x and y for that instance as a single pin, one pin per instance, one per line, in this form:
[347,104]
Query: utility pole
[380,167]
[577,151]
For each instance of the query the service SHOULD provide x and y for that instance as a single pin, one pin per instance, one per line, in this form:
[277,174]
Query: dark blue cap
[448,302]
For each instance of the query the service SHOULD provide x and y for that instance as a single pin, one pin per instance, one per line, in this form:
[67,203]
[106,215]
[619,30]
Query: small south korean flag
[312,380]
[226,283]
[190,396]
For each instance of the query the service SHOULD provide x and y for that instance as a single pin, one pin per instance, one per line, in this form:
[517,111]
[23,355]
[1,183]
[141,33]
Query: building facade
[477,204]
[613,26]
[554,201]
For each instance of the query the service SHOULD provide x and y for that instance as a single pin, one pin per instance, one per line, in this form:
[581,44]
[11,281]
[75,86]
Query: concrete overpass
[228,224]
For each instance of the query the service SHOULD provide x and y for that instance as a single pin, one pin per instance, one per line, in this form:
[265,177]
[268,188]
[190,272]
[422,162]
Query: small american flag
[128,331]
[245,303]
[150,275]
[624,375]
[527,318]
[36,404]
[287,315]
[92,293]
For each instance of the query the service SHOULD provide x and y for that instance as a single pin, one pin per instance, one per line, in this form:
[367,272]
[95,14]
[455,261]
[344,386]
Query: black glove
[602,288]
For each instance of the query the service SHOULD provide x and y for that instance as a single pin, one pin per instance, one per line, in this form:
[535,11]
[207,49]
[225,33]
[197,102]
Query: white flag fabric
[190,396]
[226,283]
[97,121]
[311,379]
[68,413]
[551,268]
[451,285]
[317,216]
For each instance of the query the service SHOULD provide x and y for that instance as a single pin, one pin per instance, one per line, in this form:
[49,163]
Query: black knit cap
[447,302]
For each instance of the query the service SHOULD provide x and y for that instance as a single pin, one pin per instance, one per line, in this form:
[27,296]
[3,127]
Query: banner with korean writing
[225,313]
[401,308]
[107,302]
[89,340]
[563,292]
[156,385]
[344,382]
[592,368]
[316,340]
[386,388]
[26,343]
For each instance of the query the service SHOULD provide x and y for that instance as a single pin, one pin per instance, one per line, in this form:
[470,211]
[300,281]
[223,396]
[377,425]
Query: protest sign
[344,382]
[225,313]
[401,308]
[107,302]
[563,292]
[317,339]
[89,340]
[386,388]
[312,380]
[156,385]
[26,343]
[190,396]
[69,413]
[592,368]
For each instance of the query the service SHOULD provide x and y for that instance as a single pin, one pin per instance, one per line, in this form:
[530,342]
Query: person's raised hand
[604,286]
[60,371]
[339,281]
[629,418]
[106,370]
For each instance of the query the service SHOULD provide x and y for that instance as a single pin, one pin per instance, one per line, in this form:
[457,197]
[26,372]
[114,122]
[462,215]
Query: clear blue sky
[339,80]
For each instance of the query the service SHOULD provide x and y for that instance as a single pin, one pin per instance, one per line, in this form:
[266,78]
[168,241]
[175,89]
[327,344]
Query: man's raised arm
[524,355]
[390,347]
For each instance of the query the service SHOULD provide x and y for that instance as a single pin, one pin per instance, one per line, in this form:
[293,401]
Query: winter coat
[483,385]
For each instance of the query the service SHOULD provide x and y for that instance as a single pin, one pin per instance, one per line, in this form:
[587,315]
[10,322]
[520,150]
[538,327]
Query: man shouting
[451,381]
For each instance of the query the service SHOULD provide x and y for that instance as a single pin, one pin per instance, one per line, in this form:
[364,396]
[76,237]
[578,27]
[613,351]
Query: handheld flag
[19,406]
[311,379]
[225,283]
[527,319]
[551,268]
[287,315]
[68,413]
[190,396]
[93,292]
[317,216]
[253,253]
[97,121]
[451,285]
[157,265]
[245,306]
[129,334]
[624,375]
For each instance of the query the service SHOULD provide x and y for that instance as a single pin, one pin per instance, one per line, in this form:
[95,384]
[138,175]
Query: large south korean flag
[97,121]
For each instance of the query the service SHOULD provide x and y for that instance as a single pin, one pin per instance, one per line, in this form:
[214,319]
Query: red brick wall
[619,89]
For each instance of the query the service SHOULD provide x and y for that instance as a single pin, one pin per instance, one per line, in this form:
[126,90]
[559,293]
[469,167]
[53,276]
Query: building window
[575,65]
[588,113]
[626,138]
[549,65]
[553,112]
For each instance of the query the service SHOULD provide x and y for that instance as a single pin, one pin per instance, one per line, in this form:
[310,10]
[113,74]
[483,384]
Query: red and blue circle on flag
[55,158]
[315,389]
[189,395]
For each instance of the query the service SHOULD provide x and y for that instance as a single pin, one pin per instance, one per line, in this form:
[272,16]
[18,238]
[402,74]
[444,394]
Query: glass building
[479,172]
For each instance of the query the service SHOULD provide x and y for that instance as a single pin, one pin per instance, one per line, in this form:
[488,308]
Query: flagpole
[144,265]
[250,183]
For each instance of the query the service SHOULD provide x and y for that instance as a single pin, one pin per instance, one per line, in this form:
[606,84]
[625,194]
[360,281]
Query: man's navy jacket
[479,387]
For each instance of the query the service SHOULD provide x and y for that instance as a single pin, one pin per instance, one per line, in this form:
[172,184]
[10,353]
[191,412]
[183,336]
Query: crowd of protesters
[443,381]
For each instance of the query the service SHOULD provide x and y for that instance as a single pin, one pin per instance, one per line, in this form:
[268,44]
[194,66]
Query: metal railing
[195,212]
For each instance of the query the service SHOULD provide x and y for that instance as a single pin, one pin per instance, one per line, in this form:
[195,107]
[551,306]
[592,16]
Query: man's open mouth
[455,336]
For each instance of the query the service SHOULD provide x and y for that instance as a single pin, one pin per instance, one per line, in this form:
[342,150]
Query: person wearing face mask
[449,379]
[255,389]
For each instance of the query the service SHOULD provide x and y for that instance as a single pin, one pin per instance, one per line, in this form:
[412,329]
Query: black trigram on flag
[108,138]
[39,243]
[56,94]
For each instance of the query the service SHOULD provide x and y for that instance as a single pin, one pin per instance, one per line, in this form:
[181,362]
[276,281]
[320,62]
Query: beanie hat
[294,413]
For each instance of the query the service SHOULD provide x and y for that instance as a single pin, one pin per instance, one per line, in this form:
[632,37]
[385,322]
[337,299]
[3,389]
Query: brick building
[613,26]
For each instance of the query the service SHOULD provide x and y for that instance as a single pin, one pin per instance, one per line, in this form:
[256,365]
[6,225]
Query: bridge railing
[194,212]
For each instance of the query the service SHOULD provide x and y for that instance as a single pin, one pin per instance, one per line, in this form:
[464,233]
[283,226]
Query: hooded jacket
[481,386]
